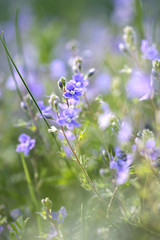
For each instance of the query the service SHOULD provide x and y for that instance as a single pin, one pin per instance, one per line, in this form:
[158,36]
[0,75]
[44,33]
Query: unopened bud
[47,203]
[156,65]
[77,64]
[62,83]
[53,101]
[129,37]
[23,105]
[91,72]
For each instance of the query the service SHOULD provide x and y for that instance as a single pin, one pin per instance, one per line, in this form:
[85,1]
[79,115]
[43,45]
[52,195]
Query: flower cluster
[149,52]
[26,144]
[121,163]
[60,215]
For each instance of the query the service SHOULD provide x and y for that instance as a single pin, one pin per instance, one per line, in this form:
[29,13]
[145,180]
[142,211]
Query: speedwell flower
[26,144]
[72,91]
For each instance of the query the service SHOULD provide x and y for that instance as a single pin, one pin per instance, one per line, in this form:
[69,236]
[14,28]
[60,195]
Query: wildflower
[68,118]
[138,85]
[121,163]
[15,213]
[149,52]
[148,150]
[44,109]
[125,132]
[26,144]
[60,215]
[1,229]
[72,91]
[79,80]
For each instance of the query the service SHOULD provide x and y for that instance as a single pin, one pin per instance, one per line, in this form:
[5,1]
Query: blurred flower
[15,213]
[68,118]
[44,109]
[149,52]
[125,132]
[69,135]
[26,144]
[72,91]
[1,229]
[121,163]
[148,150]
[102,83]
[138,85]
[60,215]
[57,68]
[105,118]
[123,12]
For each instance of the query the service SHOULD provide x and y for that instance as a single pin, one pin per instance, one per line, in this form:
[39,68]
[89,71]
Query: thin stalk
[46,122]
[110,202]
[31,191]
[82,168]
[30,186]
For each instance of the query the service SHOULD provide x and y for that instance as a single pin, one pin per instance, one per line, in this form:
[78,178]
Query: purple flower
[44,109]
[72,91]
[15,213]
[138,85]
[121,163]
[69,135]
[60,215]
[125,132]
[149,52]
[79,80]
[26,144]
[150,151]
[68,118]
[1,229]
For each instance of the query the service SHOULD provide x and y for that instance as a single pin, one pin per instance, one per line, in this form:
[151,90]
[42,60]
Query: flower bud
[47,203]
[61,83]
[129,37]
[156,65]
[23,105]
[53,101]
[77,64]
[91,72]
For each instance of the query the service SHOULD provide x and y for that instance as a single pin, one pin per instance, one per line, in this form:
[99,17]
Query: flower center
[68,120]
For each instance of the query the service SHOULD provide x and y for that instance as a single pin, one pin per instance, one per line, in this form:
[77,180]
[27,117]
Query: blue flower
[68,118]
[149,150]
[15,213]
[72,91]
[44,109]
[80,80]
[26,144]
[1,229]
[121,163]
[149,52]
[60,215]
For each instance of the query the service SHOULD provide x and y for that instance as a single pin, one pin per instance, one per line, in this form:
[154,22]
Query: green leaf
[14,228]
[12,235]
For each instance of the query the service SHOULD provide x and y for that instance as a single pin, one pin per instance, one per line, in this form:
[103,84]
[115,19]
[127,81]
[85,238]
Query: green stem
[31,191]
[30,186]
[8,54]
